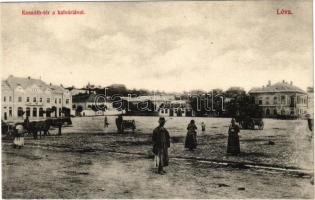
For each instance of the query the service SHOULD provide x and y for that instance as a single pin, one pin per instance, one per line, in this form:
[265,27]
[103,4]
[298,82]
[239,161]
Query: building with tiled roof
[281,99]
[33,98]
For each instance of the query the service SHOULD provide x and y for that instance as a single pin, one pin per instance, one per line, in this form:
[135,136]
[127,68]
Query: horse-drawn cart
[122,125]
[247,122]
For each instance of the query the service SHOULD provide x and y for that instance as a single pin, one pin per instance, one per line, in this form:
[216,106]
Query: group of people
[161,141]
[233,146]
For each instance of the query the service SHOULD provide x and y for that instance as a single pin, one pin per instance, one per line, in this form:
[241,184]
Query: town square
[157,100]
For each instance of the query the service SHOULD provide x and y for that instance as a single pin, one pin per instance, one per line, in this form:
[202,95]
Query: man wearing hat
[161,143]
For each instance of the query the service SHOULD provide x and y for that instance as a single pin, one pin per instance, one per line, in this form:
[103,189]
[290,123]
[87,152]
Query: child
[19,138]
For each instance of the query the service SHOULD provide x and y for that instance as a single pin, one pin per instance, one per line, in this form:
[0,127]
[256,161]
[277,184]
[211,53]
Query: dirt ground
[90,161]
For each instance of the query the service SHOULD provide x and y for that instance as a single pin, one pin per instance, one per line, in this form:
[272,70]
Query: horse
[36,127]
[58,122]
[42,127]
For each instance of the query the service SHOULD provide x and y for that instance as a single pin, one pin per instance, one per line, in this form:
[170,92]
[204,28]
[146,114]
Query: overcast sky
[170,46]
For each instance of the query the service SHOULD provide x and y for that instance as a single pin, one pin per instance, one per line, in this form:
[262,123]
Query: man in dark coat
[119,121]
[233,146]
[161,143]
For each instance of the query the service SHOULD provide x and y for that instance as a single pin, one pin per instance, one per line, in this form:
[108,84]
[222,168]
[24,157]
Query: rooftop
[12,82]
[277,87]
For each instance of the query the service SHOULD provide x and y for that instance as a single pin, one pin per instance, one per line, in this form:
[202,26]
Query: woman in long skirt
[233,146]
[191,137]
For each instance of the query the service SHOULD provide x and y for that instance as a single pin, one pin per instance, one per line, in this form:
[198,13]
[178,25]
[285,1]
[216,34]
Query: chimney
[283,81]
[291,82]
[269,83]
[28,77]
[50,84]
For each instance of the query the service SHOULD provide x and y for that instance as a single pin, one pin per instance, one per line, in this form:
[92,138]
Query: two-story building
[33,98]
[282,99]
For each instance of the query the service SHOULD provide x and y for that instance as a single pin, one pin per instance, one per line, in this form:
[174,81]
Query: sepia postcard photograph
[157,99]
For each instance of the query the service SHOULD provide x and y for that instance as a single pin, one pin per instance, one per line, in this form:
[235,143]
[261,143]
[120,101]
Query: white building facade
[33,98]
[281,99]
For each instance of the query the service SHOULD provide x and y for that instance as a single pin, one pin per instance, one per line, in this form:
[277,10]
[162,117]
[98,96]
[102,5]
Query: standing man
[119,121]
[233,146]
[161,143]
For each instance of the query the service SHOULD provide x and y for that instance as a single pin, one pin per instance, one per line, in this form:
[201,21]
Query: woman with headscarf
[233,146]
[191,137]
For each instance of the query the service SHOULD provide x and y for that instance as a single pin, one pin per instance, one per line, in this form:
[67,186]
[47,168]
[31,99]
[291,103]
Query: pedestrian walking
[191,137]
[203,127]
[161,143]
[233,146]
[106,122]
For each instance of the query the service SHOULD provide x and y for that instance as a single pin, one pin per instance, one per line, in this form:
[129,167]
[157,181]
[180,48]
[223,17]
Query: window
[260,102]
[19,99]
[28,112]
[267,112]
[20,112]
[4,99]
[10,98]
[34,99]
[162,111]
[283,99]
[10,111]
[48,112]
[73,106]
[41,112]
[166,111]
[40,99]
[59,101]
[27,99]
[34,112]
[48,100]
[267,102]
[55,101]
[59,112]
[275,100]
[67,101]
